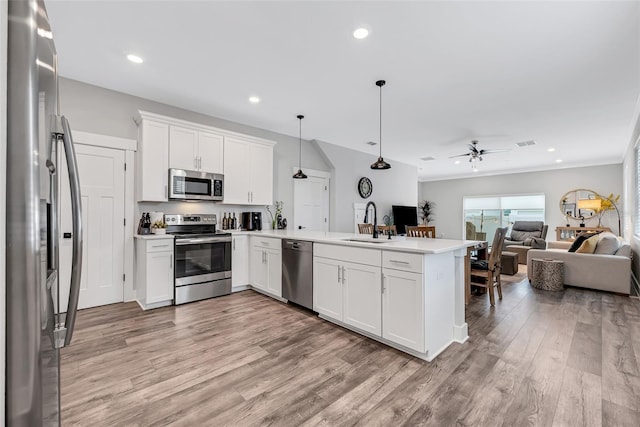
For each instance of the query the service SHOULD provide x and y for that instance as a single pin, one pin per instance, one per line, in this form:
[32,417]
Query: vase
[159,230]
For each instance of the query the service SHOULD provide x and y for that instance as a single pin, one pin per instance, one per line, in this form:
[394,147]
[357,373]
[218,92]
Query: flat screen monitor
[403,216]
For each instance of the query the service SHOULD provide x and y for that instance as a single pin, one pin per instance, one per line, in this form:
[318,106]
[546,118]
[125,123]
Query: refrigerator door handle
[76,218]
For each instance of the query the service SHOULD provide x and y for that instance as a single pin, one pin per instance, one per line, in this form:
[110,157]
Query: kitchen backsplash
[203,208]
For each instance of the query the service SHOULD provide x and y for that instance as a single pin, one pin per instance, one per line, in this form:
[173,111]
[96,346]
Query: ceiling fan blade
[460,155]
[494,151]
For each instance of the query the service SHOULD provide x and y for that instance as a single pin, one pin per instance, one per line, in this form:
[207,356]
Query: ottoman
[521,250]
[509,263]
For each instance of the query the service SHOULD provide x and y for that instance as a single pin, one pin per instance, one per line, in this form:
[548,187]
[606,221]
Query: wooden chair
[489,271]
[421,231]
[365,228]
[384,229]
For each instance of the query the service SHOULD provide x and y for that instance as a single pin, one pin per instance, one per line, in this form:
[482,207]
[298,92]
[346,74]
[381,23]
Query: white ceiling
[565,74]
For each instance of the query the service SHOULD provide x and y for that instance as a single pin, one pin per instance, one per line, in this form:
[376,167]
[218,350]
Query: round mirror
[580,203]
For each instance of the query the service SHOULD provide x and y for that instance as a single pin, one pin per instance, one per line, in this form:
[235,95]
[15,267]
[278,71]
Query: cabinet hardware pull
[384,288]
[200,162]
[339,277]
[234,244]
[399,262]
[344,274]
[171,261]
[166,193]
[159,246]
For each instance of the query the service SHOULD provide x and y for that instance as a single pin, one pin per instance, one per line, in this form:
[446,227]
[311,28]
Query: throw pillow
[608,244]
[589,245]
[580,238]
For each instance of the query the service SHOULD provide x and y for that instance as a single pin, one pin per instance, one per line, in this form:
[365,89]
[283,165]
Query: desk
[482,249]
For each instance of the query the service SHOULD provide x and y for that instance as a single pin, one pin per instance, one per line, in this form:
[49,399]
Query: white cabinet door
[210,152]
[327,287]
[237,176]
[261,167]
[362,292]
[159,277]
[274,271]
[153,162]
[183,148]
[259,268]
[240,261]
[403,309]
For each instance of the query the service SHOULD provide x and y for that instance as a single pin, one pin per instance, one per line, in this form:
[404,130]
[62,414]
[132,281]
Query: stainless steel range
[202,258]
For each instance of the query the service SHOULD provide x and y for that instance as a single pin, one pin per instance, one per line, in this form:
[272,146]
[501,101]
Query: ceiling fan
[475,153]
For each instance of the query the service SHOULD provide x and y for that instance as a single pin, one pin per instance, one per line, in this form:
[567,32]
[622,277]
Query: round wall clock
[365,187]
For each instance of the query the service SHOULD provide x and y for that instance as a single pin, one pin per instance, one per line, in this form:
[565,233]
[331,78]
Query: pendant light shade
[300,174]
[380,164]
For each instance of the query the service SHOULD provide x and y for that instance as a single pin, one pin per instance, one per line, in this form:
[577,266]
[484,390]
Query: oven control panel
[177,219]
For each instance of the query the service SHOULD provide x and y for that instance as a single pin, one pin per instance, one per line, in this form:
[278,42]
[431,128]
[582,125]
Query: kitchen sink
[369,240]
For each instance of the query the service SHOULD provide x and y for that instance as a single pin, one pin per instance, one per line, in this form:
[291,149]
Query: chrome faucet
[375,218]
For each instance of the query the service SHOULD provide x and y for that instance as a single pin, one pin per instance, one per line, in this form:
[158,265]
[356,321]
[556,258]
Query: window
[488,213]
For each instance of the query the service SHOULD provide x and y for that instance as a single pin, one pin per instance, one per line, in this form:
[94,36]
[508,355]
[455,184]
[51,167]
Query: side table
[547,274]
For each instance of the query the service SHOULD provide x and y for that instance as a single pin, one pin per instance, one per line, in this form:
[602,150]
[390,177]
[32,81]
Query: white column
[460,328]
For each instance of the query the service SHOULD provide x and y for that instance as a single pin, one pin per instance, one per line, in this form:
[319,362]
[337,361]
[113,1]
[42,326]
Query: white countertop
[397,243]
[153,236]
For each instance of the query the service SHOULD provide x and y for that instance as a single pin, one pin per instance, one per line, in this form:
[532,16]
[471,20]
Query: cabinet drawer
[348,254]
[402,261]
[266,242]
[159,245]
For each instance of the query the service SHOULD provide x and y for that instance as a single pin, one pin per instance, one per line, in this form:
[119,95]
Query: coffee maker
[252,221]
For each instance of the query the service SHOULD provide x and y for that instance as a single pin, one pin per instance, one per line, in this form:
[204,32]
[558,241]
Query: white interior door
[101,172]
[311,203]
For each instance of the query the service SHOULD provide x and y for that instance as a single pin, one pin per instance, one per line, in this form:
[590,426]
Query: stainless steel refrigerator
[36,134]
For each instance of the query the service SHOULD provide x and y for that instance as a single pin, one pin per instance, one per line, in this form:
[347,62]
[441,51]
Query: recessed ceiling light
[135,59]
[254,99]
[457,162]
[551,150]
[558,160]
[361,33]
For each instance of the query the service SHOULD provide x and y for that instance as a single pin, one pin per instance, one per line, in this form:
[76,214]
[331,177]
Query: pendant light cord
[300,145]
[380,121]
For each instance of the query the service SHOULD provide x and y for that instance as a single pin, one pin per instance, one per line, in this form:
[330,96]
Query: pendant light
[380,164]
[300,174]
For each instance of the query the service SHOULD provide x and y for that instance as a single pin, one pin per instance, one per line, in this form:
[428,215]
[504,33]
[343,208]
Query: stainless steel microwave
[194,185]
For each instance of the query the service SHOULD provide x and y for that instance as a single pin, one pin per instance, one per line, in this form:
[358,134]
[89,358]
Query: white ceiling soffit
[565,74]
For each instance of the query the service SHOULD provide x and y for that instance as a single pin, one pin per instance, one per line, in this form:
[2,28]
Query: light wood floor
[537,358]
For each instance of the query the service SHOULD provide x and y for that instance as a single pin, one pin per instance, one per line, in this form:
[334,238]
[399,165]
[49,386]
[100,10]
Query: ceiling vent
[371,143]
[525,143]
[426,159]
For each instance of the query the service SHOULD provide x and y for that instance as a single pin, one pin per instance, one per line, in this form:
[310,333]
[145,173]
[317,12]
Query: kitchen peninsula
[407,293]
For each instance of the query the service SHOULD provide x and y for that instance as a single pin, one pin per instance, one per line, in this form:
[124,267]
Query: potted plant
[159,227]
[427,207]
[277,211]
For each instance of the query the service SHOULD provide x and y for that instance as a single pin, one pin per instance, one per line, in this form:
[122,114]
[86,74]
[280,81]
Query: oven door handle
[204,240]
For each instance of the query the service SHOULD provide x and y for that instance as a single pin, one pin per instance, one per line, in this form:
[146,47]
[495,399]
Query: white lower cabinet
[239,261]
[327,287]
[266,265]
[154,272]
[348,292]
[403,308]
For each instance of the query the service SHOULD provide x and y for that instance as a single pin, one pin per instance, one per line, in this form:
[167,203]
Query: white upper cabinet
[210,152]
[165,142]
[237,177]
[183,148]
[191,149]
[248,172]
[152,160]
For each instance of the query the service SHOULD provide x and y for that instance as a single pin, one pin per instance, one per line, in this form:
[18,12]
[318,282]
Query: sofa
[606,270]
[526,235]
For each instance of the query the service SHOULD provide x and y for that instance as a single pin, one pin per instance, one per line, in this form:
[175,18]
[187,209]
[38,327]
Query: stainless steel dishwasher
[297,272]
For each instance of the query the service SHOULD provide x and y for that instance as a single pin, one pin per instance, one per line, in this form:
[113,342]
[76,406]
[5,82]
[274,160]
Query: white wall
[448,194]
[97,110]
[395,186]
[3,183]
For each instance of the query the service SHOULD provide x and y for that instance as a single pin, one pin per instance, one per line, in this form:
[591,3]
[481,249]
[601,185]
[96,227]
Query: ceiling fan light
[380,164]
